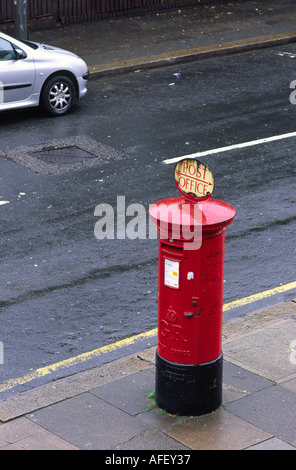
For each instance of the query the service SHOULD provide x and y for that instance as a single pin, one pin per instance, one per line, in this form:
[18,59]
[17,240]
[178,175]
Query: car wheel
[58,96]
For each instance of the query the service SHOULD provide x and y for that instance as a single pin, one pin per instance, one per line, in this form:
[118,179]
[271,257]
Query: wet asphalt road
[63,292]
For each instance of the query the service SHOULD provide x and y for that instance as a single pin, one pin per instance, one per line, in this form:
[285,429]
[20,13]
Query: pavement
[172,37]
[111,407]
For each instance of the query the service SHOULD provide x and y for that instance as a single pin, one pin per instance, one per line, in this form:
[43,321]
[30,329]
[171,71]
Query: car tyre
[58,96]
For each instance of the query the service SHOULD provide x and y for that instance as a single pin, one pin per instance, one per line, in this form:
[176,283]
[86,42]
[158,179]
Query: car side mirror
[20,54]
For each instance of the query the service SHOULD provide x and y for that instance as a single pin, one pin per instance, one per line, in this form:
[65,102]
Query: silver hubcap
[60,96]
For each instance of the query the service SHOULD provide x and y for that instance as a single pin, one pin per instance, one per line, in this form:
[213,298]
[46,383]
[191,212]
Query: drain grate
[60,156]
[64,155]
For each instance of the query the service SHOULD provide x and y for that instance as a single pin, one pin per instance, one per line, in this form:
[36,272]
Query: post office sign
[193,177]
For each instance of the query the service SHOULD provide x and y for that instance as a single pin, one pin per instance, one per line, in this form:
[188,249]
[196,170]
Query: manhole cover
[64,155]
[60,156]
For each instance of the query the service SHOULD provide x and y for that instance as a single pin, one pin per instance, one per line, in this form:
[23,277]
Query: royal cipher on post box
[191,232]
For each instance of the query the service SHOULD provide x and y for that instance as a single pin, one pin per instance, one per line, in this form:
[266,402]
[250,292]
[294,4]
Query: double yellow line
[259,296]
[73,361]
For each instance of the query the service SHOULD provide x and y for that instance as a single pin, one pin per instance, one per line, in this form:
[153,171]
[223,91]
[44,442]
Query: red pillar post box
[190,293]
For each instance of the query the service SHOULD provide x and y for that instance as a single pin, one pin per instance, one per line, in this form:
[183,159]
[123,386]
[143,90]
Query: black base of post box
[188,390]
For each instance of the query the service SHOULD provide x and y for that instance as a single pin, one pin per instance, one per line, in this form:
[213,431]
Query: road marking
[231,147]
[3,202]
[44,371]
[259,296]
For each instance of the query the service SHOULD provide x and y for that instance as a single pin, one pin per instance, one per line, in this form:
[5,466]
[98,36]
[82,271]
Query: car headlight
[86,75]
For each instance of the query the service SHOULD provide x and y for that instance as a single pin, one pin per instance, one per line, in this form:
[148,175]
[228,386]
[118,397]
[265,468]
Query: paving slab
[218,431]
[242,379]
[89,423]
[130,394]
[272,444]
[23,434]
[261,342]
[271,409]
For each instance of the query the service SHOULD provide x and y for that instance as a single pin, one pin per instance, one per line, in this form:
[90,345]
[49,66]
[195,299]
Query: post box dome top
[215,214]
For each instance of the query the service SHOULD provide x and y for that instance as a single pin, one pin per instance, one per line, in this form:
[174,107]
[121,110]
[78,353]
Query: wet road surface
[63,291]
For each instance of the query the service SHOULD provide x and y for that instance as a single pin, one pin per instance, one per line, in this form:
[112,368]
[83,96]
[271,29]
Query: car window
[30,44]
[7,52]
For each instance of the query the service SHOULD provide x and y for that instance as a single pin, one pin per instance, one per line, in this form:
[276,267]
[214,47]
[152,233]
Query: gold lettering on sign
[193,177]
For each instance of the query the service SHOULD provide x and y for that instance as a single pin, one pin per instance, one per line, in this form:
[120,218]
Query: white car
[33,74]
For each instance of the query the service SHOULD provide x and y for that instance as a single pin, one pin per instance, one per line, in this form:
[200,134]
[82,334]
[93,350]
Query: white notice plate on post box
[171,273]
